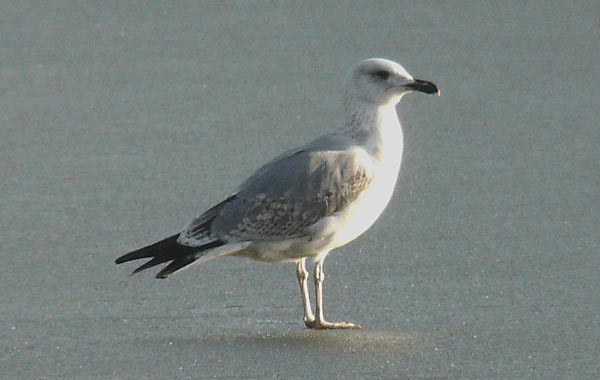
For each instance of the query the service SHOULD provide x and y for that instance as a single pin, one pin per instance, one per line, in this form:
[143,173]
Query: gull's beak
[423,86]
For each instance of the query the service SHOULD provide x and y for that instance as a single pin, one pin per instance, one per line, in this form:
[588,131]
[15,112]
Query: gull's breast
[351,222]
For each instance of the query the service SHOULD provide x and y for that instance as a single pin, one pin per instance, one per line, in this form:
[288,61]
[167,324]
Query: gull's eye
[381,74]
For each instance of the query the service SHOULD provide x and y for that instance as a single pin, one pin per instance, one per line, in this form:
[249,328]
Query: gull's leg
[302,273]
[320,322]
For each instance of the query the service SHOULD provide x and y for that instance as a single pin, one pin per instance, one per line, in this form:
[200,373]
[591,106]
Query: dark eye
[381,74]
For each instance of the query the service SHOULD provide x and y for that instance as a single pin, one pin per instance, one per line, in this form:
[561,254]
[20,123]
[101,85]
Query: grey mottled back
[290,193]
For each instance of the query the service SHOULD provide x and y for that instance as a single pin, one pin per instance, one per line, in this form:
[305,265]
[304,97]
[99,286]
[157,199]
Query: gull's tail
[168,250]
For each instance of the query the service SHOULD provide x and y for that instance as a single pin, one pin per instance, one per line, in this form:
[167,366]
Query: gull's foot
[322,325]
[309,322]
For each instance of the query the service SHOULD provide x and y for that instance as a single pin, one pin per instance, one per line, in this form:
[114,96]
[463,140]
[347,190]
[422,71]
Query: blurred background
[120,121]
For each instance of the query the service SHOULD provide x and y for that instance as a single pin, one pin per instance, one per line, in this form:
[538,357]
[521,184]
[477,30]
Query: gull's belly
[355,219]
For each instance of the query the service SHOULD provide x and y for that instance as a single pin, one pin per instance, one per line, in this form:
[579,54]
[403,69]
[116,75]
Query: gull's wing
[278,202]
[285,196]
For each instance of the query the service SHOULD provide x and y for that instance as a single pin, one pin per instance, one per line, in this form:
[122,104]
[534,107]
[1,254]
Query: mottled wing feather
[290,194]
[198,231]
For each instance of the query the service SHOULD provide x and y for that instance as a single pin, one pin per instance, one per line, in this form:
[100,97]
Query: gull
[308,200]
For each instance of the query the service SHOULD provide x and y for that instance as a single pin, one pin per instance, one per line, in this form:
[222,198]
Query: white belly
[360,215]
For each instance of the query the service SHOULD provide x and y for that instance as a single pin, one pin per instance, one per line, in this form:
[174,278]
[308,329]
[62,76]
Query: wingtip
[178,255]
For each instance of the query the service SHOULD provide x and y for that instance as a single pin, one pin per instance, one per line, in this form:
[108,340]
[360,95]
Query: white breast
[384,150]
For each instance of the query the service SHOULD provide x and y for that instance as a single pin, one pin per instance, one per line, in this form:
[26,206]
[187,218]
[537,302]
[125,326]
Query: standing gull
[311,199]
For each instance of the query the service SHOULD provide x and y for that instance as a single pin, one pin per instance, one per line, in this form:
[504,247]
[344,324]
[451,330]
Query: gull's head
[381,82]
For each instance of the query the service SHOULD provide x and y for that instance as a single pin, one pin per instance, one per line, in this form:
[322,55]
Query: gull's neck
[375,127]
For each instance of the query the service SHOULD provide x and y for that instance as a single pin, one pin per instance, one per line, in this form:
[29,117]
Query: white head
[381,82]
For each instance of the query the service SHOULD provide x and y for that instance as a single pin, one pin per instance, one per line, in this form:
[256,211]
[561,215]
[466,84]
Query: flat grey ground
[119,121]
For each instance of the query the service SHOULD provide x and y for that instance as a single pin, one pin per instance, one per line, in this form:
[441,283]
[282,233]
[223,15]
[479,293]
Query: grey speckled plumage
[286,196]
[311,199]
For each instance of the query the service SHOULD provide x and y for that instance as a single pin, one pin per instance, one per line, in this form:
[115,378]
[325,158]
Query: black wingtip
[175,265]
[186,260]
[156,249]
[120,260]
[167,250]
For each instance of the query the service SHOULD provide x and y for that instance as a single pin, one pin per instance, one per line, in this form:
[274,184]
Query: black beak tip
[424,86]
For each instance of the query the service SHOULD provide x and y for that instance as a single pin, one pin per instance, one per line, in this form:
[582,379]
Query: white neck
[376,128]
